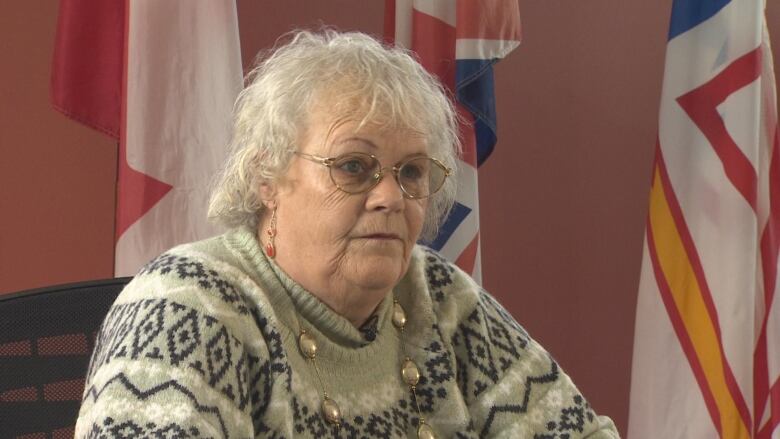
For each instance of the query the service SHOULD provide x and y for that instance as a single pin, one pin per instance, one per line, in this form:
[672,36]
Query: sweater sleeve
[512,386]
[168,361]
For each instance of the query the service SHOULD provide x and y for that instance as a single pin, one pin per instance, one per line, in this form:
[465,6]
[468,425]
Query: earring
[270,250]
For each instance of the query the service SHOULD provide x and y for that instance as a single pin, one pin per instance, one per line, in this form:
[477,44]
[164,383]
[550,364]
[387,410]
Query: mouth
[382,236]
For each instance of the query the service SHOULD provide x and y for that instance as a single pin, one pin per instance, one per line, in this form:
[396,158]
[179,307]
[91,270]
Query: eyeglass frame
[379,175]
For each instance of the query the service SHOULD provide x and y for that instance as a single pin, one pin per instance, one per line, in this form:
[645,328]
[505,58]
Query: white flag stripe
[177,91]
[443,10]
[468,188]
[462,236]
[769,117]
[657,346]
[773,354]
[183,75]
[403,23]
[741,113]
[144,240]
[477,276]
[466,48]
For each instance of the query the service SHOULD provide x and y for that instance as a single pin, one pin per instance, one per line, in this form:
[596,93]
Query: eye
[414,170]
[355,165]
[352,166]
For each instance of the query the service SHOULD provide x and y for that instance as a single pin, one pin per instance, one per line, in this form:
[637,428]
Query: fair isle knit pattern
[203,344]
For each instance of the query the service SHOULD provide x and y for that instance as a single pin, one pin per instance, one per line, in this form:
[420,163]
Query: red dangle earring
[270,250]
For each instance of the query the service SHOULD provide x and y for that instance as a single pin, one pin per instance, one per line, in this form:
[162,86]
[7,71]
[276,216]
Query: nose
[387,194]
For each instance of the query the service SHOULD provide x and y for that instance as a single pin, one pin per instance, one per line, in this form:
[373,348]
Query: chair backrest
[46,338]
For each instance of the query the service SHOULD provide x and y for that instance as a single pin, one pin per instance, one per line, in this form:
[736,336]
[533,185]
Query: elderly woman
[316,314]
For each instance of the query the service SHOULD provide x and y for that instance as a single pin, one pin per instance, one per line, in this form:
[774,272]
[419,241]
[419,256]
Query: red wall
[563,198]
[56,176]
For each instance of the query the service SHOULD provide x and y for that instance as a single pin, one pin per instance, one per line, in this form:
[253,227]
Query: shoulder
[181,301]
[493,352]
[471,322]
[454,295]
[183,330]
[205,282]
[200,273]
[484,337]
[444,281]
[182,304]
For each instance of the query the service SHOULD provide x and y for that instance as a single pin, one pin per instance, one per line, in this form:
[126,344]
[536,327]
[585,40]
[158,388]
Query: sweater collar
[312,311]
[298,307]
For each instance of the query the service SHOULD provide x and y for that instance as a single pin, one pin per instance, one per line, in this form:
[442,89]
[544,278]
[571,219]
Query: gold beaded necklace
[410,374]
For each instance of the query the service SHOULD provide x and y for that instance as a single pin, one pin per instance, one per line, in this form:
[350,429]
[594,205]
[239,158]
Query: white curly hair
[378,83]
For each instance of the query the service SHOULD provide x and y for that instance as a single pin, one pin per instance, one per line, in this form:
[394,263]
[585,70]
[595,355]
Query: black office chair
[46,338]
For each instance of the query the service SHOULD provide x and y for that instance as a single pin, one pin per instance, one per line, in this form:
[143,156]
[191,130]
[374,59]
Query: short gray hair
[387,85]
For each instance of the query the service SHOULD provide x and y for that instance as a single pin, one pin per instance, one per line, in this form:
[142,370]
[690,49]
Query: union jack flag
[459,41]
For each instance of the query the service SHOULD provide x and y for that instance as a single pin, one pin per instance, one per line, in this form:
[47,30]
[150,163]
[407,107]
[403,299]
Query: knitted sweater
[203,343]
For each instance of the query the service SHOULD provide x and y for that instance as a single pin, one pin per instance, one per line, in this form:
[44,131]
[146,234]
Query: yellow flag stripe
[684,290]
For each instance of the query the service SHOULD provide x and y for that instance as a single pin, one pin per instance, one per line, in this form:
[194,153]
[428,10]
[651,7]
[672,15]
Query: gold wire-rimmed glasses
[419,176]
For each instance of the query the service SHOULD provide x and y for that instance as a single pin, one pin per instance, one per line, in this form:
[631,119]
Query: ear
[268,193]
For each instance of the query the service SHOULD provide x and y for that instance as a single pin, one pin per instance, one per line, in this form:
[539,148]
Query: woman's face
[332,242]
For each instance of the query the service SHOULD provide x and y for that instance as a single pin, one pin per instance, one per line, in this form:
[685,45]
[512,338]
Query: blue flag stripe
[687,14]
[458,213]
[474,89]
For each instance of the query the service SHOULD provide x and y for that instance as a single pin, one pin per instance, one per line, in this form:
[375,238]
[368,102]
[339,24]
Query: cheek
[336,214]
[316,213]
[415,216]
[332,199]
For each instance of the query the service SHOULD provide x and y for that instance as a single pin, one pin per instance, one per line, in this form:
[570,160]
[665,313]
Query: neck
[356,311]
[356,303]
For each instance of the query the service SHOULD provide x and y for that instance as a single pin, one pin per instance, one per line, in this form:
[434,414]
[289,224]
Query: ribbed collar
[314,312]
[297,308]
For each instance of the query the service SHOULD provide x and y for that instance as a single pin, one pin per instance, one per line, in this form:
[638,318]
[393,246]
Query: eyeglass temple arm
[327,161]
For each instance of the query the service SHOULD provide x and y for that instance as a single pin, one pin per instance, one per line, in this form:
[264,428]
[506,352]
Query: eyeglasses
[356,172]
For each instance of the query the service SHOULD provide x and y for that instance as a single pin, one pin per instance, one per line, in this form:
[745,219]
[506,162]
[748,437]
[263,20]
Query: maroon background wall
[563,198]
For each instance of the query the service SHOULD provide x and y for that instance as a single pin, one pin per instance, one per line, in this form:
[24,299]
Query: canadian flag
[161,77]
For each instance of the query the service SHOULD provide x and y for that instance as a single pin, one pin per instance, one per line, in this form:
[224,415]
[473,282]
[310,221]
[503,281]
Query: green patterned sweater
[203,344]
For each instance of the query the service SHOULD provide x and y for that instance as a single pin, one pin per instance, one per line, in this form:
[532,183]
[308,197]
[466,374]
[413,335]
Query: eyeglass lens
[419,177]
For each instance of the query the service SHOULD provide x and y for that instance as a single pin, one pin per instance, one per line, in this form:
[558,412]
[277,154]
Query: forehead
[334,132]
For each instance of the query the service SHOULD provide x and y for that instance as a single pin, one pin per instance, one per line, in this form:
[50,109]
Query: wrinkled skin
[349,250]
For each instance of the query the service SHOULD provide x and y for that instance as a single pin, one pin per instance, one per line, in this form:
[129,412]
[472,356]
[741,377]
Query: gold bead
[308,345]
[409,372]
[399,316]
[331,411]
[424,431]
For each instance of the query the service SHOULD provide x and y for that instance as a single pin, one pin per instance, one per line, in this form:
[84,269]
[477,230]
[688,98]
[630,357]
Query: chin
[377,272]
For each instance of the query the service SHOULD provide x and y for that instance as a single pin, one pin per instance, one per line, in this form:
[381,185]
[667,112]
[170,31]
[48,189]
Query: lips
[382,236]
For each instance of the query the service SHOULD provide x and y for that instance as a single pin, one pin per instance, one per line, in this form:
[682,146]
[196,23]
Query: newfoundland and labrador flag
[459,41]
[161,77]
[707,342]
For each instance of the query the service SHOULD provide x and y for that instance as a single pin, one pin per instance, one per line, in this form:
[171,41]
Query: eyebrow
[356,139]
[367,142]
